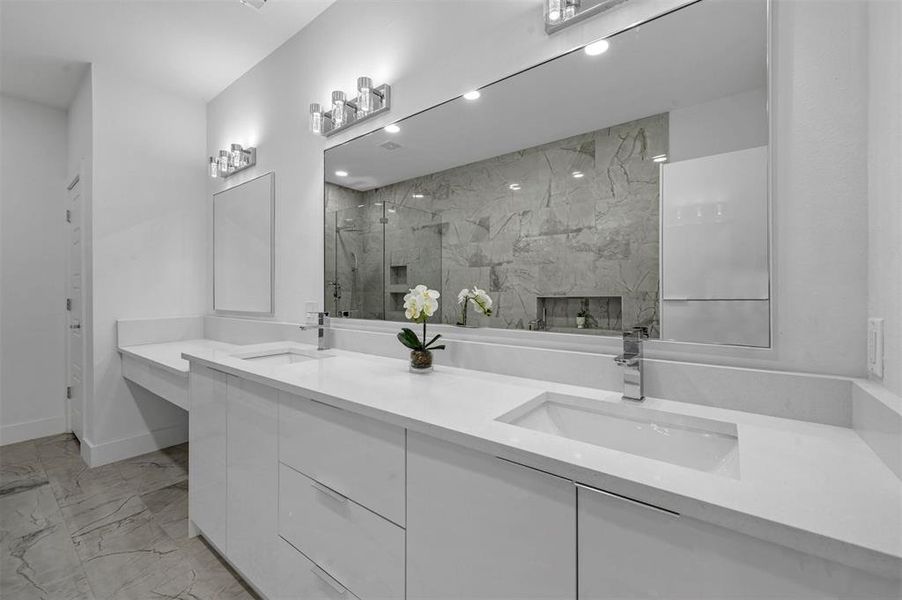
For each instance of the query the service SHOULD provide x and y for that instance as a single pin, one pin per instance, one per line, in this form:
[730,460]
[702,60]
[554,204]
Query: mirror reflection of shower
[346,268]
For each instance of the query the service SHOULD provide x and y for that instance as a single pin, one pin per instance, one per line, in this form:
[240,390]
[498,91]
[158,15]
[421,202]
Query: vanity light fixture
[233,160]
[345,112]
[578,174]
[596,48]
[514,187]
[472,95]
[392,128]
[659,158]
[417,195]
[563,13]
[341,173]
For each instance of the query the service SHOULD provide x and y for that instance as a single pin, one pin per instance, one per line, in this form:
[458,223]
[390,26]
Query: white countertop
[168,355]
[813,487]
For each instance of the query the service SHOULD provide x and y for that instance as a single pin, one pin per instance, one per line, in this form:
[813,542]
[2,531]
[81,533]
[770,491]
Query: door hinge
[68,303]
[68,392]
[68,216]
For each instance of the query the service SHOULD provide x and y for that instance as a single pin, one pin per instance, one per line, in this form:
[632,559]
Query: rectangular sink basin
[283,357]
[694,442]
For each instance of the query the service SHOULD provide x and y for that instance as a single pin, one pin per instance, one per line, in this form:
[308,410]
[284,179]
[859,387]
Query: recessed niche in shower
[602,314]
[398,275]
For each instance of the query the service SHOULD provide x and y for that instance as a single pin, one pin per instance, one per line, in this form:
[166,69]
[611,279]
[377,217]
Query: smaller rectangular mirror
[243,247]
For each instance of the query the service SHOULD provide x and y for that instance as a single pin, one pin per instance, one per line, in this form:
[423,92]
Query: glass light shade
[571,7]
[316,118]
[214,168]
[553,15]
[235,159]
[223,161]
[365,97]
[339,101]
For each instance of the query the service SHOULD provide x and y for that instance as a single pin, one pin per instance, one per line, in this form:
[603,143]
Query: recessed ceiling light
[659,158]
[418,195]
[514,186]
[392,128]
[377,203]
[341,173]
[391,210]
[473,95]
[578,174]
[596,48]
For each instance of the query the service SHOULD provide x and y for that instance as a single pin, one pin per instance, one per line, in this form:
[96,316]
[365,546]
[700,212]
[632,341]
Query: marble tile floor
[119,531]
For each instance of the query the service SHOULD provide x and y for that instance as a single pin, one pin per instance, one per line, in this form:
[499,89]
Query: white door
[75,305]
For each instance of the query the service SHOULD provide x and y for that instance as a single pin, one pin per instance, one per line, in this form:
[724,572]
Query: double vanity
[336,474]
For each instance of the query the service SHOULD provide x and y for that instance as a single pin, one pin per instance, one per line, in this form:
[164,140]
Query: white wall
[431,51]
[32,275]
[723,125]
[885,181]
[148,247]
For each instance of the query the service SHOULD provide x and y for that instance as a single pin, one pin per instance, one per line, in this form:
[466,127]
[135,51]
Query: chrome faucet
[631,361]
[321,322]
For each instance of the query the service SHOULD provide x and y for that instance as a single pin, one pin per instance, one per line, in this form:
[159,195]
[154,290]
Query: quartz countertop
[168,355]
[816,488]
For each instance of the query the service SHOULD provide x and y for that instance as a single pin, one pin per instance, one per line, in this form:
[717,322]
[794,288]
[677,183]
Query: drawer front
[359,457]
[355,546]
[161,382]
[300,579]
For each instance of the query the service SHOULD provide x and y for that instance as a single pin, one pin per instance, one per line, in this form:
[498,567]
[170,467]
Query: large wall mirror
[243,247]
[590,194]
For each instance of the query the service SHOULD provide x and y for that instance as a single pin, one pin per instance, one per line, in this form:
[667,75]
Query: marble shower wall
[554,235]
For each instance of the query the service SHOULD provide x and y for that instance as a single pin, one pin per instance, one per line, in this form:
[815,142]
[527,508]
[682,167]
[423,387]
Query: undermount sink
[697,443]
[284,356]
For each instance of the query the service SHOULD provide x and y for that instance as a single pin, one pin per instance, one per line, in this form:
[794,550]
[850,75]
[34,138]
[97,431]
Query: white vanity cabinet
[253,481]
[207,453]
[479,527]
[631,550]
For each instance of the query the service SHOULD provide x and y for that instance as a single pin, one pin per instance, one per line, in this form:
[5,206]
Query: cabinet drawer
[359,457]
[300,579]
[354,545]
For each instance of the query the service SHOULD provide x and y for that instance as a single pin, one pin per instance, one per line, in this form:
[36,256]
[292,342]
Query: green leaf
[432,341]
[410,339]
[441,347]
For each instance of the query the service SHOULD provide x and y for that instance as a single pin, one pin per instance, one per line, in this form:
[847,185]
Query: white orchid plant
[478,298]
[420,304]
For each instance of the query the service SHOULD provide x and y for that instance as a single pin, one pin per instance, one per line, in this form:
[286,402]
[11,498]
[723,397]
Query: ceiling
[191,47]
[709,50]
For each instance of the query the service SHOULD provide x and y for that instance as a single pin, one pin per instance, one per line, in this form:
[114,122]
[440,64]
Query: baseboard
[107,452]
[30,430]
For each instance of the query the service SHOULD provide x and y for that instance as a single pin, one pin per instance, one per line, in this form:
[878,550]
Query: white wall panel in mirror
[243,223]
[546,189]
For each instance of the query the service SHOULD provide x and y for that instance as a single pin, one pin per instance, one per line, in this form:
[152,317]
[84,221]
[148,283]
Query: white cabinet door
[207,453]
[628,550]
[480,527]
[253,481]
[300,579]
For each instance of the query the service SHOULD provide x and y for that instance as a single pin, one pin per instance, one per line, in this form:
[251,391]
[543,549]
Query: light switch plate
[875,347]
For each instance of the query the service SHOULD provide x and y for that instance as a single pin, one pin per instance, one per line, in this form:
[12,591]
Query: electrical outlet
[875,347]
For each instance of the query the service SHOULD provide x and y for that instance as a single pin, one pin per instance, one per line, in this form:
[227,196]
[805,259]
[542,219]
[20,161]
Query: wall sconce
[232,161]
[369,102]
[563,13]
